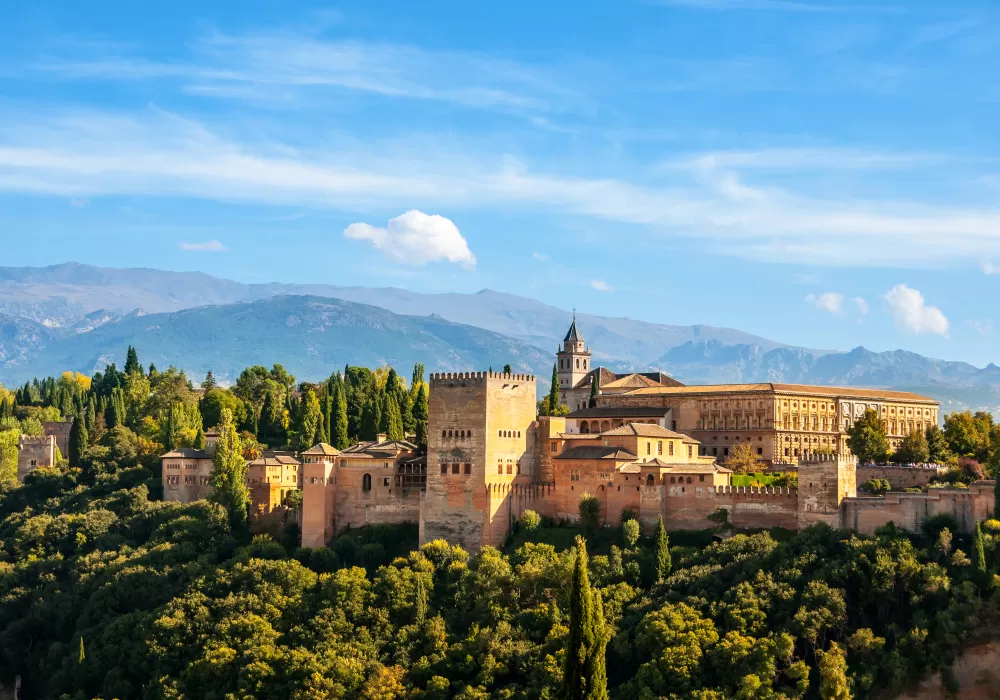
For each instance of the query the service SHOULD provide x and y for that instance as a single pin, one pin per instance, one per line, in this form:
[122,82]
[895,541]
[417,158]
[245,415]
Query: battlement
[479,378]
[32,440]
[826,458]
[525,490]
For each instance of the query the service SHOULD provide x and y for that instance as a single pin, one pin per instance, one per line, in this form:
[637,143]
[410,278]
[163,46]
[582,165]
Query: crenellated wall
[909,510]
[899,477]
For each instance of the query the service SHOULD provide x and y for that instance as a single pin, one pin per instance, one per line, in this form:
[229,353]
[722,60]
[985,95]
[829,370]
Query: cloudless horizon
[820,174]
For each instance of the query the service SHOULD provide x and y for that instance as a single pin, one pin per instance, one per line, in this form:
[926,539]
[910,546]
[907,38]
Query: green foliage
[980,549]
[79,441]
[876,486]
[662,560]
[833,683]
[229,470]
[913,448]
[631,532]
[867,439]
[421,411]
[553,402]
[590,511]
[8,456]
[584,672]
[530,520]
[937,445]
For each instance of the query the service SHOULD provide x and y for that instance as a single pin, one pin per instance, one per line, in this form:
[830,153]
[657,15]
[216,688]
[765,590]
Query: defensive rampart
[909,510]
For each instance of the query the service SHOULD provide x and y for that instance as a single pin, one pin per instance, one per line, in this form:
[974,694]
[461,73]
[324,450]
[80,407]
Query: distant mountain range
[79,317]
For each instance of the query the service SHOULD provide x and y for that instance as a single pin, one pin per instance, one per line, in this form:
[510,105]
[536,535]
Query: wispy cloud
[79,202]
[984,327]
[831,302]
[283,66]
[802,159]
[540,257]
[206,247]
[156,153]
[863,308]
[601,286]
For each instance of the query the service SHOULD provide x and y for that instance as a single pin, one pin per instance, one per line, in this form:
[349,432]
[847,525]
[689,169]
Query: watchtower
[825,480]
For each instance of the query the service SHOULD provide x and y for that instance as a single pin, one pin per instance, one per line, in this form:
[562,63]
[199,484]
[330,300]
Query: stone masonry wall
[909,510]
[34,452]
[898,477]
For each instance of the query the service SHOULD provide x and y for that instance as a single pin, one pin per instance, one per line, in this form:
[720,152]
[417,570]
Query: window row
[460,434]
[509,433]
[456,468]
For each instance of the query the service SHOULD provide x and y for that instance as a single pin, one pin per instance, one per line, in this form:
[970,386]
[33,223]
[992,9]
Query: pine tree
[553,404]
[209,383]
[663,562]
[420,414]
[584,674]
[980,550]
[338,432]
[595,389]
[394,422]
[132,361]
[229,474]
[78,442]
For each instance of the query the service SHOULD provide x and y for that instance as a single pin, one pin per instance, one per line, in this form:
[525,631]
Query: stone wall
[823,483]
[909,510]
[899,477]
[318,501]
[60,431]
[34,452]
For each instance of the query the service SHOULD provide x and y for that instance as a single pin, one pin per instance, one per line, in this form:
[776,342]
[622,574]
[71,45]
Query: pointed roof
[573,334]
[322,449]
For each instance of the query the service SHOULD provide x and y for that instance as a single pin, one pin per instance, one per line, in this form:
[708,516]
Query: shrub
[530,520]
[590,511]
[630,532]
[991,525]
[627,514]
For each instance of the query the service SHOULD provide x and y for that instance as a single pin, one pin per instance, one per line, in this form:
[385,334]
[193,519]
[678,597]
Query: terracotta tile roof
[681,468]
[596,452]
[605,375]
[647,430]
[632,468]
[573,334]
[630,381]
[186,453]
[616,412]
[831,391]
[322,449]
[608,379]
[274,461]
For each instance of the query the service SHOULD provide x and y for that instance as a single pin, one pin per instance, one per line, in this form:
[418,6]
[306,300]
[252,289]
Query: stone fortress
[647,444]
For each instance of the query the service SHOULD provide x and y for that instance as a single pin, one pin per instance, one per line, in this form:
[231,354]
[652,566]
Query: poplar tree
[338,433]
[308,420]
[78,442]
[663,562]
[980,549]
[554,392]
[421,409]
[584,672]
[229,474]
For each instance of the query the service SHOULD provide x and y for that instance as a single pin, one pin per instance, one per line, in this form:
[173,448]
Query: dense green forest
[108,592]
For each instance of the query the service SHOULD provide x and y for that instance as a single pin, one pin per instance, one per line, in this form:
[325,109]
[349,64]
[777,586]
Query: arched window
[673,479]
[649,480]
[366,482]
[584,427]
[444,433]
[689,479]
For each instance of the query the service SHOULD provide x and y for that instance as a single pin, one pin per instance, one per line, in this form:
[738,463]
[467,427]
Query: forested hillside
[108,592]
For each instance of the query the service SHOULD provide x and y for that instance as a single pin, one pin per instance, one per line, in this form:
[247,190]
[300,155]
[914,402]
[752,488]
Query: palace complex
[644,443]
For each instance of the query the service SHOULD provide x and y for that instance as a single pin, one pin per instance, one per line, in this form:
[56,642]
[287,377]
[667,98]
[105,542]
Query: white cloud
[206,247]
[416,238]
[863,308]
[912,313]
[832,302]
[79,202]
[601,286]
[804,159]
[540,256]
[990,269]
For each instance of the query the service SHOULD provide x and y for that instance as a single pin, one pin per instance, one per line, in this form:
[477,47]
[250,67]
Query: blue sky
[821,174]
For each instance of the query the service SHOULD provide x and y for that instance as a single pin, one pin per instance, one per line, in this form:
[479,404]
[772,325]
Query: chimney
[380,437]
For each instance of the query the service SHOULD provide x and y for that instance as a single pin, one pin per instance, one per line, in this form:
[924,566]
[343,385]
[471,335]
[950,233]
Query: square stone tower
[825,481]
[479,446]
[319,491]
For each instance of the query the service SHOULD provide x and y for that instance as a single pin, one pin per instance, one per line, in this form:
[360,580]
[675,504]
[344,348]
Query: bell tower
[573,363]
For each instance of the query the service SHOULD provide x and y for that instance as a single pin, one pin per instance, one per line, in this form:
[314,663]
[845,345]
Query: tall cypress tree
[338,432]
[554,392]
[595,389]
[78,442]
[200,441]
[584,673]
[394,422]
[980,550]
[420,414]
[663,562]
[229,474]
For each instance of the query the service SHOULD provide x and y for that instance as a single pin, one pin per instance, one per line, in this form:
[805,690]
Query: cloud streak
[206,247]
[157,153]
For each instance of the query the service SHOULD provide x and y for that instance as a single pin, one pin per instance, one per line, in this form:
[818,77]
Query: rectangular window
[649,448]
[670,445]
[510,469]
[715,451]
[574,475]
[444,468]
[468,468]
[760,450]
[725,451]
[499,469]
[385,482]
[454,468]
[659,447]
[554,448]
[689,450]
[701,477]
